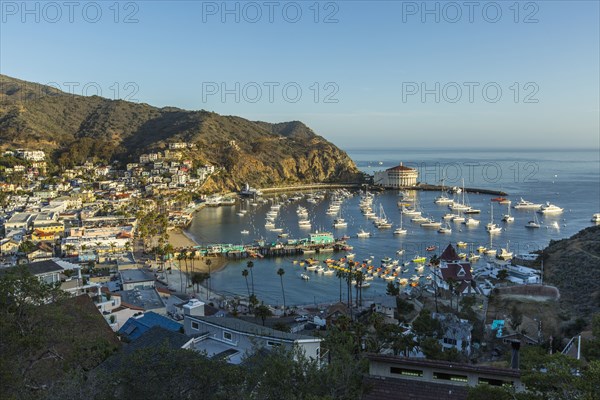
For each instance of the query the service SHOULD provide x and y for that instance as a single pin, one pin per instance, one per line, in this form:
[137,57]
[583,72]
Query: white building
[396,177]
[31,155]
[236,337]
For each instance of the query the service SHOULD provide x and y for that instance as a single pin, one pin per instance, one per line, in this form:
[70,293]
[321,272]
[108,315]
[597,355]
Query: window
[450,341]
[227,336]
[494,382]
[406,371]
[270,343]
[195,325]
[450,377]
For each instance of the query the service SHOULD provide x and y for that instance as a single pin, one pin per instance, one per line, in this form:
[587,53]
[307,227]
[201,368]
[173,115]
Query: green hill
[74,128]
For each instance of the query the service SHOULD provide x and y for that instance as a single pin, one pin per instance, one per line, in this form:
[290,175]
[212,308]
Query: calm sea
[569,179]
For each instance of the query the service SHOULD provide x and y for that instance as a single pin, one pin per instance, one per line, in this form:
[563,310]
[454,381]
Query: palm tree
[180,256]
[245,275]
[250,265]
[208,264]
[360,277]
[281,272]
[263,312]
[340,274]
[197,279]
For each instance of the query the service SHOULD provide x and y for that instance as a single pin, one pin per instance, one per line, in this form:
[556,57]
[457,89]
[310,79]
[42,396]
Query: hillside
[74,128]
[573,265]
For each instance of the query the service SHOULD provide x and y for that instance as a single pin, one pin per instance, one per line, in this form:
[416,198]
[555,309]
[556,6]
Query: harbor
[244,227]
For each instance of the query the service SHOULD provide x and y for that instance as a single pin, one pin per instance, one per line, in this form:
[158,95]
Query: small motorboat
[430,248]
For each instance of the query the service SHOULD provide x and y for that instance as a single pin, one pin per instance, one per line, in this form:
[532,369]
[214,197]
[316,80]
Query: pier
[357,185]
[428,187]
[276,249]
[311,186]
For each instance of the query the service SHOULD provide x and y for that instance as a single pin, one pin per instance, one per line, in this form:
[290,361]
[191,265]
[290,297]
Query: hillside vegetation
[75,128]
[573,265]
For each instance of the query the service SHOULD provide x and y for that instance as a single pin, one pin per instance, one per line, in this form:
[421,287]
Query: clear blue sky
[376,59]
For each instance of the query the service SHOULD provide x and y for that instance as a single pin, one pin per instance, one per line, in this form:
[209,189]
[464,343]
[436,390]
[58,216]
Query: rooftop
[217,349]
[135,327]
[148,299]
[235,324]
[400,167]
[135,275]
[449,254]
[419,362]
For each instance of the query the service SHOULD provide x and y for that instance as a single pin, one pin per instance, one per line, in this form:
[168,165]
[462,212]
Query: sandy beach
[179,240]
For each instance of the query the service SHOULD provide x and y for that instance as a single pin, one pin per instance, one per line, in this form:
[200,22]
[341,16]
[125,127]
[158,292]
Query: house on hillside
[231,338]
[454,271]
[456,332]
[138,325]
[386,305]
[393,377]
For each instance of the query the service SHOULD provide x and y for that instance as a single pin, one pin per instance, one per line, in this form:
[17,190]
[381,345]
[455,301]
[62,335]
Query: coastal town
[113,236]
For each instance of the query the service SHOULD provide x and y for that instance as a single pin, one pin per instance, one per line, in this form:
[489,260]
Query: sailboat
[382,222]
[491,227]
[442,198]
[400,230]
[507,217]
[533,224]
[411,211]
[339,222]
[445,229]
[490,251]
[505,254]
[461,205]
[459,217]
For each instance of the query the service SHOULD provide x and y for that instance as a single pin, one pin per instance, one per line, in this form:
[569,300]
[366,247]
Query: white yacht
[596,218]
[449,216]
[534,223]
[340,223]
[445,229]
[491,227]
[490,252]
[304,223]
[431,224]
[504,254]
[459,218]
[363,234]
[471,222]
[507,217]
[523,204]
[550,209]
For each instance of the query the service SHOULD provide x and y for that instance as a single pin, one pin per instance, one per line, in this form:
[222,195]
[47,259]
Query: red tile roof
[400,168]
[449,254]
[457,271]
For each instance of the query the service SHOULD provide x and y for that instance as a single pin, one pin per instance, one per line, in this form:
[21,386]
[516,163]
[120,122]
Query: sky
[365,75]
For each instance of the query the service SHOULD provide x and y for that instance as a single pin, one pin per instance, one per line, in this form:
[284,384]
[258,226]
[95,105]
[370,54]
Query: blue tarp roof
[135,327]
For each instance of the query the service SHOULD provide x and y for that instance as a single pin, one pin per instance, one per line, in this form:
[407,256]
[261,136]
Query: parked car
[301,318]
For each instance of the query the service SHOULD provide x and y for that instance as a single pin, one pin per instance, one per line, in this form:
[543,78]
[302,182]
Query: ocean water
[569,179]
